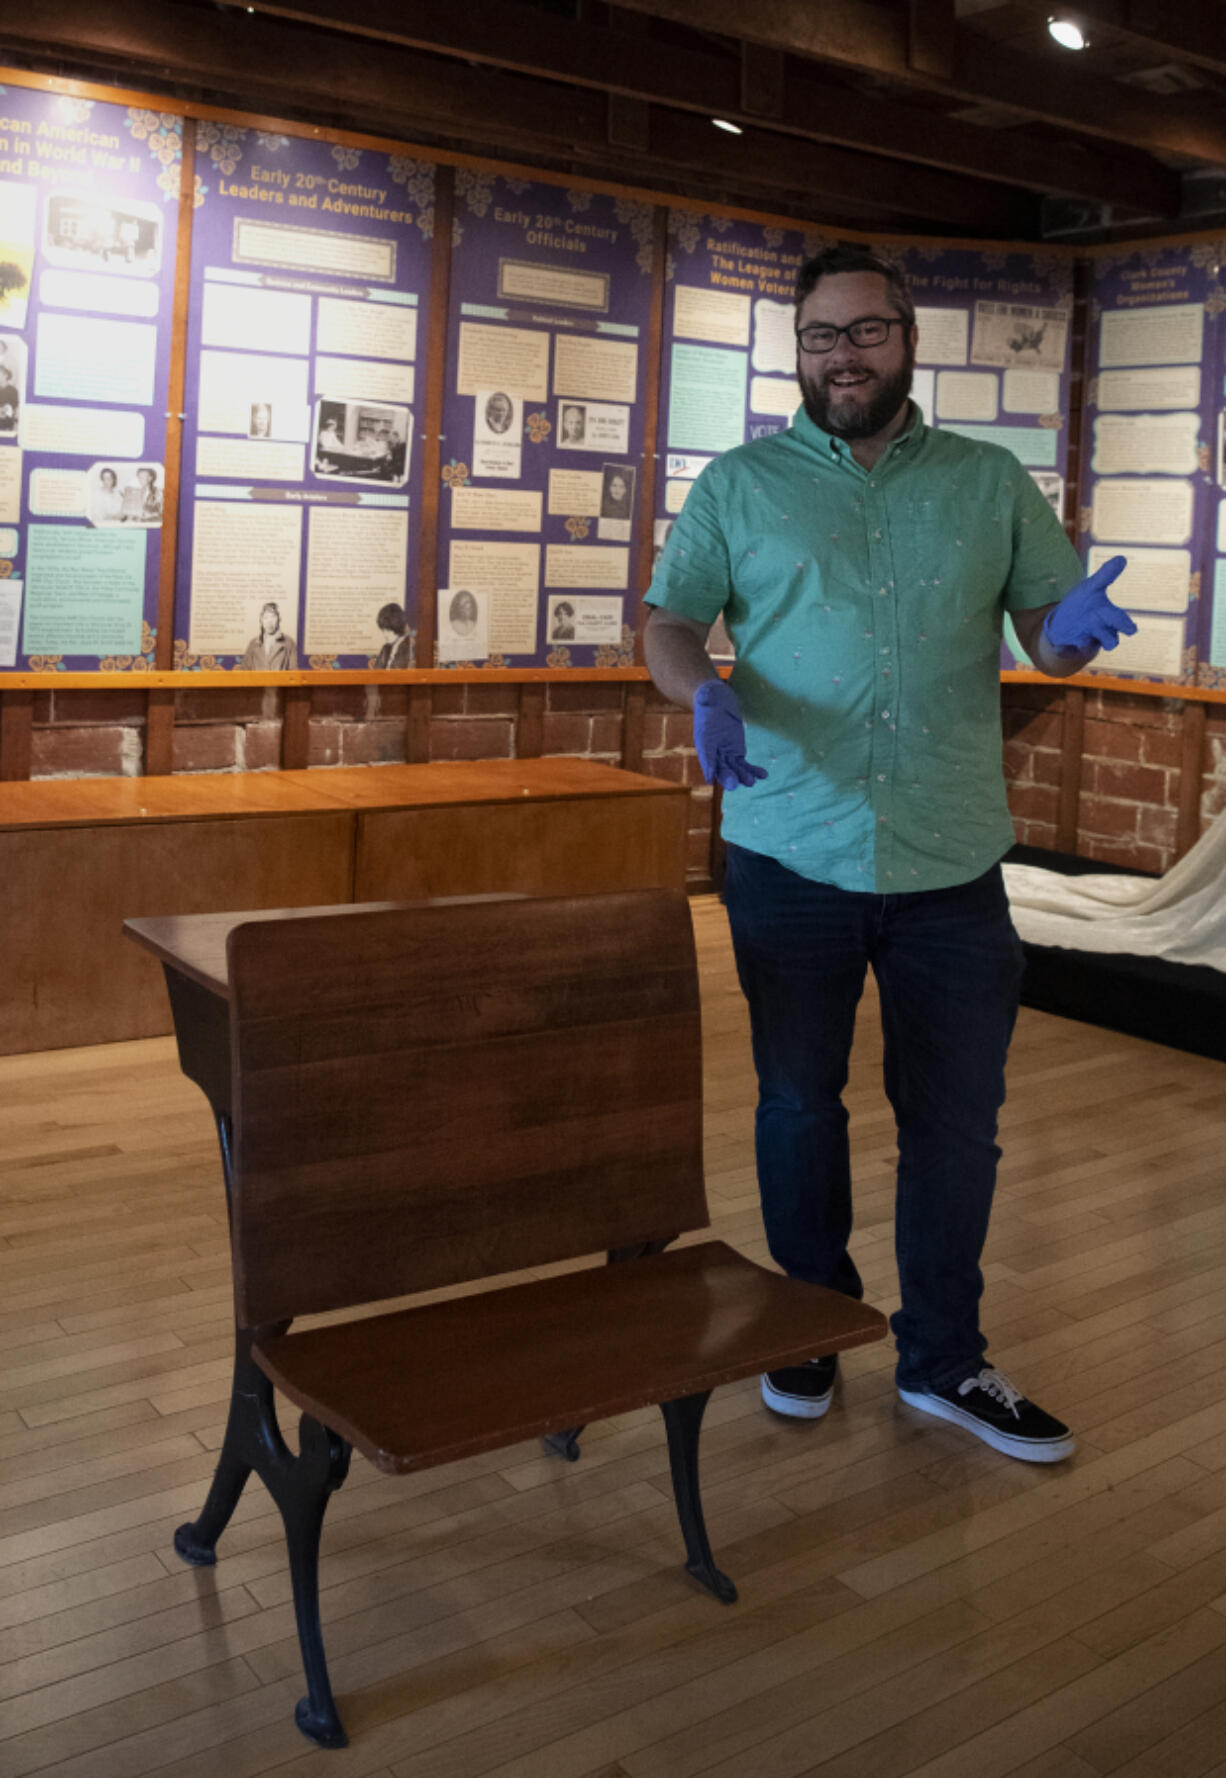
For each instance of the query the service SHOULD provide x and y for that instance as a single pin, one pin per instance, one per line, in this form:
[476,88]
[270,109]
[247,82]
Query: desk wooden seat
[439,1095]
[77,856]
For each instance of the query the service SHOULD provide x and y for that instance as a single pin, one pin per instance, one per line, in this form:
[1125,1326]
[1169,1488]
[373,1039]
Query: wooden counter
[78,856]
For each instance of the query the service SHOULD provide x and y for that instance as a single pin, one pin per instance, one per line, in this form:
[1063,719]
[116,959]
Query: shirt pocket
[959,552]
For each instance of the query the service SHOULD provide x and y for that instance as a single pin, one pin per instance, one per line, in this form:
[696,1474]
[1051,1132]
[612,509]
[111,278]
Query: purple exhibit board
[1152,483]
[89,209]
[543,424]
[729,360]
[301,482]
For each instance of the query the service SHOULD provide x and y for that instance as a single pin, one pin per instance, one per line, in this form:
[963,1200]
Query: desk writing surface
[195,944]
[203,796]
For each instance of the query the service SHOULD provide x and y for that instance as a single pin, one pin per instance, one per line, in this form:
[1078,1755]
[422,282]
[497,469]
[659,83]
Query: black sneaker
[802,1391]
[996,1411]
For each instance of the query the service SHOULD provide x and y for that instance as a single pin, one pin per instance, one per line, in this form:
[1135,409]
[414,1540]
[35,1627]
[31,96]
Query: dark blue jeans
[948,966]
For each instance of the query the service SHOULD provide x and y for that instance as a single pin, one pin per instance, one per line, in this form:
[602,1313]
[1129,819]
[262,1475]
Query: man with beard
[862,563]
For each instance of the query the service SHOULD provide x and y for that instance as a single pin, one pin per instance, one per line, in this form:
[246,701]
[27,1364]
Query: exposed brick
[373,744]
[1162,747]
[464,739]
[448,700]
[342,703]
[677,768]
[77,709]
[218,704]
[606,733]
[1158,826]
[1047,767]
[1113,740]
[1130,853]
[654,730]
[499,699]
[261,746]
[1136,784]
[1018,762]
[569,696]
[1034,802]
[566,733]
[656,700]
[1035,833]
[198,748]
[44,702]
[387,701]
[84,752]
[323,743]
[1039,728]
[1109,820]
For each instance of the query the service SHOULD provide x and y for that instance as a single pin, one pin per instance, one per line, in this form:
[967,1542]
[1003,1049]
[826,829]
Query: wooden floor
[911,1603]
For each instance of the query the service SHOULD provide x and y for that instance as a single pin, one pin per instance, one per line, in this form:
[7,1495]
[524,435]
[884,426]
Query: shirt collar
[839,450]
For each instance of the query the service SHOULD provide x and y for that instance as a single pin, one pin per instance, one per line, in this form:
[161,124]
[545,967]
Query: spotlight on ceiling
[1068,32]
[722,123]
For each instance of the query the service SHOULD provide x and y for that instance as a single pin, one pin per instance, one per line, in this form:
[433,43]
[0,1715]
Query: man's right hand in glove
[719,737]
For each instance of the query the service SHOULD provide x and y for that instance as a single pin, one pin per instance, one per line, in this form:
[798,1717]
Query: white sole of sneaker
[797,1407]
[1028,1450]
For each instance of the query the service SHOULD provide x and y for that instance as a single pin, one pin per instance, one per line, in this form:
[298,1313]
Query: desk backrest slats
[419,1093]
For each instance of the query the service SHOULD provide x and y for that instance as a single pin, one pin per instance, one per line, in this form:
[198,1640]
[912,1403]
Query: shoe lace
[997,1385]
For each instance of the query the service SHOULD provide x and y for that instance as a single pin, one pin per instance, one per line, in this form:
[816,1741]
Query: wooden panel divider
[651,422]
[159,734]
[165,644]
[432,421]
[530,727]
[633,723]
[1187,827]
[417,725]
[16,735]
[1072,740]
[295,728]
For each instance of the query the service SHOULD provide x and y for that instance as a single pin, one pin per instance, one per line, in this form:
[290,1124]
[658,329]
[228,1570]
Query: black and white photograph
[616,502]
[592,622]
[463,624]
[1051,486]
[261,420]
[498,432]
[12,384]
[594,426]
[361,441]
[271,648]
[392,624]
[120,493]
[572,423]
[86,234]
[561,620]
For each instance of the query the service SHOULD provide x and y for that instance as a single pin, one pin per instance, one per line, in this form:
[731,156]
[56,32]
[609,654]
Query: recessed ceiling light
[1068,33]
[722,123]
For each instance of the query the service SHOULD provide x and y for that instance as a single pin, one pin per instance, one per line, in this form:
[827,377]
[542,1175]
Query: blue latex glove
[719,737]
[1085,618]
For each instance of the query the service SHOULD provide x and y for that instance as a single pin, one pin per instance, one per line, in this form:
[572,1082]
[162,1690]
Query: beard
[859,412]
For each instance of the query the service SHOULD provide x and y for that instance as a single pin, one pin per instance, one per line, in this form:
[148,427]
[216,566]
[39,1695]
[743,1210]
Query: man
[863,562]
[499,412]
[574,424]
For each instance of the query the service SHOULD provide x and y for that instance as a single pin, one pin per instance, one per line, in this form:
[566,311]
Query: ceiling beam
[502,34]
[857,34]
[1193,31]
[380,88]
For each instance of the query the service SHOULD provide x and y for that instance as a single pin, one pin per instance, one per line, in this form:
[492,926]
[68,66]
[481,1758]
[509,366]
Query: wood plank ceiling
[936,116]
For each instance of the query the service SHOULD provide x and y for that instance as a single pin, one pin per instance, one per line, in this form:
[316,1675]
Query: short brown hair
[849,258]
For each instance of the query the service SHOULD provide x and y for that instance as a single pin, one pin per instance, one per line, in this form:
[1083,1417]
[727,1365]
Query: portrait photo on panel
[271,648]
[392,624]
[616,502]
[572,423]
[561,620]
[498,418]
[463,624]
[87,233]
[12,384]
[260,424]
[361,441]
[122,493]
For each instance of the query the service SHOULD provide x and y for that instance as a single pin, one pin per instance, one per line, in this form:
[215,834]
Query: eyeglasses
[869,330]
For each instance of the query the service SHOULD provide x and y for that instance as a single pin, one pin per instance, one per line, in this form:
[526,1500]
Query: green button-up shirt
[865,608]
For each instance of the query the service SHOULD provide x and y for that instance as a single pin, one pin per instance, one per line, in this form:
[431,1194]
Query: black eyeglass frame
[886,321]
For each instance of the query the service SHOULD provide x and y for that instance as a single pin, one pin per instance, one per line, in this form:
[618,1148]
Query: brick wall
[1129,777]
